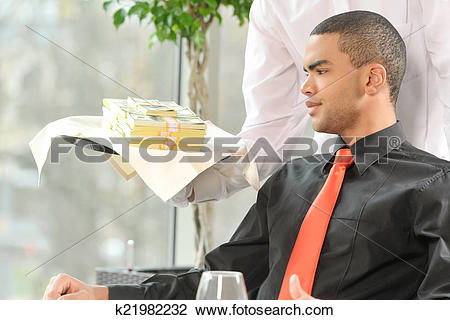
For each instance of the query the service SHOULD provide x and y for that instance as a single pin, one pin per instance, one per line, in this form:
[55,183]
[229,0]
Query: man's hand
[65,287]
[296,290]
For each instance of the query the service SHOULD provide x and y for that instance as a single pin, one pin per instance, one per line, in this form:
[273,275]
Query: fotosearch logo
[200,150]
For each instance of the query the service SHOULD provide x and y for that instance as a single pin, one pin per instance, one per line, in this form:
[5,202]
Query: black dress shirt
[388,236]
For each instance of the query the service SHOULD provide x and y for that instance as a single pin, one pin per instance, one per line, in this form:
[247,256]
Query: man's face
[333,85]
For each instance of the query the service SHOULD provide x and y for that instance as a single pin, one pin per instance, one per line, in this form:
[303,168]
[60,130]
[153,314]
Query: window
[41,82]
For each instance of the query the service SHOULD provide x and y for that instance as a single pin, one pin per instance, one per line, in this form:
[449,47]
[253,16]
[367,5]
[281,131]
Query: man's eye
[321,71]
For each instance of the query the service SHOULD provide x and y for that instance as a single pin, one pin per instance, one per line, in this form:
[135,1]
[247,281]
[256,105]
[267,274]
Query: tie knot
[343,157]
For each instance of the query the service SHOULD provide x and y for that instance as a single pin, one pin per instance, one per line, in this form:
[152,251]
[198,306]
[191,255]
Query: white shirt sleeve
[437,38]
[271,89]
[271,84]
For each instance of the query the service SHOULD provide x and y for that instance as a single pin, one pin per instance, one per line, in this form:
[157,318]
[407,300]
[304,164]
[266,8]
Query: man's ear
[376,78]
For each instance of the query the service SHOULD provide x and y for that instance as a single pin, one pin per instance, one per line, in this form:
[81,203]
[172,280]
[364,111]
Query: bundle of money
[141,118]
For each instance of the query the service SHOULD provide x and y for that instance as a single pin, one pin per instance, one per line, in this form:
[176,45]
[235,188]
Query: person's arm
[435,19]
[65,287]
[215,183]
[271,84]
[159,287]
[247,251]
[271,88]
[432,223]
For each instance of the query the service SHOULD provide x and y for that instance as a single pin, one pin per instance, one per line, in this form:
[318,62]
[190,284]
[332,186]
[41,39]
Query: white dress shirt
[273,75]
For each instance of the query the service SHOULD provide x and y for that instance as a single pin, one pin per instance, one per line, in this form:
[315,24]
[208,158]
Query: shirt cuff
[125,292]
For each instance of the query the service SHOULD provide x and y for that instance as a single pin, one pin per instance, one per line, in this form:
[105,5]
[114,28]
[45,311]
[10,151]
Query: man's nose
[307,87]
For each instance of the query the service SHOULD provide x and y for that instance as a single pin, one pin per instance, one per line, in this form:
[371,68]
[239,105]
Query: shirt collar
[368,150]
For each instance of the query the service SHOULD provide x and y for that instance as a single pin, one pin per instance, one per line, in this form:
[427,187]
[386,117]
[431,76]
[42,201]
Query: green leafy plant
[190,20]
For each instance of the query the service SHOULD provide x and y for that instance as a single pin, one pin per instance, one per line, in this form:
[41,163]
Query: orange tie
[305,255]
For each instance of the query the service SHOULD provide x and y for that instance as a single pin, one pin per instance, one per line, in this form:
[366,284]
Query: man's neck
[368,126]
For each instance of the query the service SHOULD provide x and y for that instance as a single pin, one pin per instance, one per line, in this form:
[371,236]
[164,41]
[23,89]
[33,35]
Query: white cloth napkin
[165,179]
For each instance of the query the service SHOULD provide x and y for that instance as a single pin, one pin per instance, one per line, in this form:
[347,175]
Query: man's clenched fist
[65,287]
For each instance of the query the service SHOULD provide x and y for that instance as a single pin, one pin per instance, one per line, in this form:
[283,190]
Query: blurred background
[40,83]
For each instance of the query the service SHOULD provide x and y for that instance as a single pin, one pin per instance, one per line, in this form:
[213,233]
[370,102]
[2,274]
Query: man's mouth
[312,106]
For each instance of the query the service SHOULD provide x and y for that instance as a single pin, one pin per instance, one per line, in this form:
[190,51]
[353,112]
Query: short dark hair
[369,37]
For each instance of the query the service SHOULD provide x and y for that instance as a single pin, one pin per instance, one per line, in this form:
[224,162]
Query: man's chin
[322,127]
[318,126]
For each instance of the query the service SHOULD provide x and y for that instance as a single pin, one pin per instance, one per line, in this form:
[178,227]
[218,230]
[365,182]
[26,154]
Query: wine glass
[222,285]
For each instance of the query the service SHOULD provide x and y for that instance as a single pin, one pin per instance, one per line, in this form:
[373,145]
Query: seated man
[369,220]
